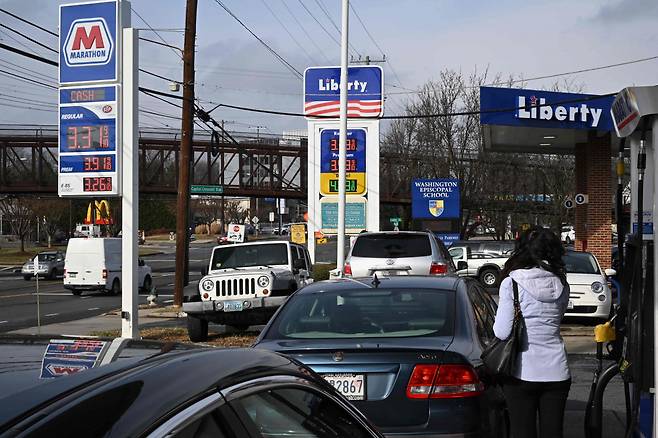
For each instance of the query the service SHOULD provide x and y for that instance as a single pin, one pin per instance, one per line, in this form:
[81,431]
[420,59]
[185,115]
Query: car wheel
[197,329]
[489,277]
[27,277]
[76,292]
[148,284]
[116,287]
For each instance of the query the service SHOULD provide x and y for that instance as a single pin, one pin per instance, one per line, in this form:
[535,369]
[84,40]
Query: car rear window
[580,263]
[380,313]
[392,246]
[230,256]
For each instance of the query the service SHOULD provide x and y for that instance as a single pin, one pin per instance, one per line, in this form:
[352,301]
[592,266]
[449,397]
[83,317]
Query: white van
[95,264]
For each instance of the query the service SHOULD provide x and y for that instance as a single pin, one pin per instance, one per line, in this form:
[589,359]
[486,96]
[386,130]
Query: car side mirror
[462,265]
[299,264]
[610,272]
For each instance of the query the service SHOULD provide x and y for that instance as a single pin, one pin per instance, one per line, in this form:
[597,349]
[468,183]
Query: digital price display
[88,154]
[355,161]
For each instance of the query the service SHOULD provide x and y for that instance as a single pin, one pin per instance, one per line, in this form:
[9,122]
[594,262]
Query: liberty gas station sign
[89,134]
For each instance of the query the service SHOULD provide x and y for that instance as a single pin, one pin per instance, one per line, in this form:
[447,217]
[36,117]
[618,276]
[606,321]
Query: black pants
[524,399]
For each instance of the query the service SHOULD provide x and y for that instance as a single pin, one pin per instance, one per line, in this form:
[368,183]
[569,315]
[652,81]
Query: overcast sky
[419,38]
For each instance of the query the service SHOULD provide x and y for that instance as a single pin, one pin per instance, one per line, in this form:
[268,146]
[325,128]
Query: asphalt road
[18,298]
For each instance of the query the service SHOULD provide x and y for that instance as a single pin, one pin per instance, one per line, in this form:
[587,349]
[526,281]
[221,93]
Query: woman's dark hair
[537,248]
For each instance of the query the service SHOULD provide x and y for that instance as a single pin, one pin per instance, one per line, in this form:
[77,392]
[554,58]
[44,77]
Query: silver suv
[398,253]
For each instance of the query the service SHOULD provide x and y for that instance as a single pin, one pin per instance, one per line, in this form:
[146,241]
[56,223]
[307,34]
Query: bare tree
[52,213]
[20,215]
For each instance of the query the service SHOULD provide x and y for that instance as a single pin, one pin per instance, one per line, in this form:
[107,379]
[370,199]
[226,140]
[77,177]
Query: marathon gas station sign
[544,109]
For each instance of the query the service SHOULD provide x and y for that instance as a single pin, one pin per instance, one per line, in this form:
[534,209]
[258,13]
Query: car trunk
[366,266]
[385,366]
[84,269]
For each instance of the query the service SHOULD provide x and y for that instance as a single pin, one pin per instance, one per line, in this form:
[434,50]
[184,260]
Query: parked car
[95,265]
[51,265]
[398,253]
[483,266]
[496,247]
[405,349]
[590,294]
[568,234]
[253,393]
[245,284]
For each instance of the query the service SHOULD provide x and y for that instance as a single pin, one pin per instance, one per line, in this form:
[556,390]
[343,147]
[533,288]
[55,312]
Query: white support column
[654,165]
[312,195]
[130,177]
[340,253]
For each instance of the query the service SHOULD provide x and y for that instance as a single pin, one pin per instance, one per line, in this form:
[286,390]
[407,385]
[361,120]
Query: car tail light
[104,273]
[347,269]
[444,381]
[454,381]
[438,268]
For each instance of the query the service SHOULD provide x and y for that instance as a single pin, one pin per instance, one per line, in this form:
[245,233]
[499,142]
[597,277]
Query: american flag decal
[355,108]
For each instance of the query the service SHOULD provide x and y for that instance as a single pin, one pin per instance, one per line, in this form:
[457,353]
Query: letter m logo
[88,43]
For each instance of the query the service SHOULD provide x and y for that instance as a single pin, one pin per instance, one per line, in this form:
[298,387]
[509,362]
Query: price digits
[87,137]
[92,163]
[350,144]
[97,184]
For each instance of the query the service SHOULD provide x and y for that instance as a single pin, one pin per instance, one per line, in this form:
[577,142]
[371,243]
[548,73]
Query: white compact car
[94,264]
[590,296]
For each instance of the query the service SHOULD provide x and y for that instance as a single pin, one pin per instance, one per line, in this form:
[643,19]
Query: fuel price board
[88,153]
[355,162]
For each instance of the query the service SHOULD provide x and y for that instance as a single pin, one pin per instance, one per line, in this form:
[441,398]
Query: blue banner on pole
[544,109]
[435,198]
[88,42]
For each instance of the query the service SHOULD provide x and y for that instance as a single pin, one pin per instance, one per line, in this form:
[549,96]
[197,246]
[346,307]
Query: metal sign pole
[35,267]
[340,254]
[130,198]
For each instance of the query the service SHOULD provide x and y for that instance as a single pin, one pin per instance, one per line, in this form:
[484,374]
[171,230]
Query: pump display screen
[87,137]
[355,161]
[87,163]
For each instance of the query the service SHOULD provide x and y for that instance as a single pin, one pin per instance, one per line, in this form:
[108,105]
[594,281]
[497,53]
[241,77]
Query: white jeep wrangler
[245,285]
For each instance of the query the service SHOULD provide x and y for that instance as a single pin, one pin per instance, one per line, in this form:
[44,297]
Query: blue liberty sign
[435,198]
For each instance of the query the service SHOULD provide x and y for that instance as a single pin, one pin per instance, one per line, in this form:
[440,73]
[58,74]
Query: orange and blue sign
[355,162]
[88,42]
[435,198]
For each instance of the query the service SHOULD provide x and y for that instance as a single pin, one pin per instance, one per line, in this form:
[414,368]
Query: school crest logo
[436,207]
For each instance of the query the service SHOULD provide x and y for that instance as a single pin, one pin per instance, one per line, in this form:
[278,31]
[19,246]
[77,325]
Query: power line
[27,72]
[322,26]
[29,22]
[33,108]
[20,99]
[148,40]
[173,48]
[279,57]
[28,55]
[28,38]
[331,20]
[310,38]
[288,32]
[159,76]
[15,76]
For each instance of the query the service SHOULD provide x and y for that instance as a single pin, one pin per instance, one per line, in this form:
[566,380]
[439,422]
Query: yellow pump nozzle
[604,332]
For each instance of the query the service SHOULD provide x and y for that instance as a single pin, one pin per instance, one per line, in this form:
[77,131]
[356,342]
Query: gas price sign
[88,155]
[355,162]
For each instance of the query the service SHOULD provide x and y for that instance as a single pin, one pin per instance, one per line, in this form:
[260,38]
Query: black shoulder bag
[500,356]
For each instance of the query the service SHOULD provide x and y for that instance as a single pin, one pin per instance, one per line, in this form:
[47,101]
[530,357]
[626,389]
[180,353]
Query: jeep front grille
[235,287]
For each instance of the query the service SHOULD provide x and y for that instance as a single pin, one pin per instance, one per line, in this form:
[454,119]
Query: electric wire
[333,23]
[301,46]
[148,40]
[308,35]
[17,41]
[29,70]
[32,40]
[322,26]
[270,49]
[27,107]
[173,48]
[29,22]
[19,99]
[19,78]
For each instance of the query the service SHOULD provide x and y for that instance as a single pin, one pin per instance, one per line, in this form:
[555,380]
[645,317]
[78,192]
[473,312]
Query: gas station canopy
[535,121]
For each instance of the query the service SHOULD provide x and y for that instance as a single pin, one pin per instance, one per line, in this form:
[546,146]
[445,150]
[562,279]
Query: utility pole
[183,204]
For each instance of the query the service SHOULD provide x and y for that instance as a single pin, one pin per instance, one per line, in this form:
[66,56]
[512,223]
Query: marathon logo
[333,85]
[537,109]
[88,42]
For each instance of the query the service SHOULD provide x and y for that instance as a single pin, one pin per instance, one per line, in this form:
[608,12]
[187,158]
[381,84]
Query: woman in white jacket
[542,381]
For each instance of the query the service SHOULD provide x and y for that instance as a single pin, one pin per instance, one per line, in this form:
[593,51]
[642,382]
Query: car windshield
[380,313]
[249,255]
[47,257]
[580,263]
[392,246]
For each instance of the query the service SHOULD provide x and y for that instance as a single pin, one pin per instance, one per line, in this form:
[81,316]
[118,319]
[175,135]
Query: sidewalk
[580,347]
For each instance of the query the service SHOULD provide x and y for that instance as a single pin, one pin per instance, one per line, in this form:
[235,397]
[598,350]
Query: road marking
[84,298]
[17,295]
[94,308]
[51,314]
[52,294]
[170,284]
[3,322]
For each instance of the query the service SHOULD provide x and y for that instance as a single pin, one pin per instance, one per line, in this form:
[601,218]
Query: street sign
[568,203]
[364,91]
[298,233]
[235,233]
[89,148]
[206,190]
[355,162]
[255,219]
[395,220]
[581,199]
[435,199]
[89,42]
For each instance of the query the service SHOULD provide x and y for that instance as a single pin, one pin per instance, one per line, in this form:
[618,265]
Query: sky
[419,38]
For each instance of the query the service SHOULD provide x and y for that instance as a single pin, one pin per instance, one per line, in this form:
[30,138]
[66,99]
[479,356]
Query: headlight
[263,281]
[207,285]
[597,287]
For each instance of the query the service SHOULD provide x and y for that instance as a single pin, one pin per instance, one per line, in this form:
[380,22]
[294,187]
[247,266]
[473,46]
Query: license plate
[233,306]
[72,274]
[352,386]
[570,305]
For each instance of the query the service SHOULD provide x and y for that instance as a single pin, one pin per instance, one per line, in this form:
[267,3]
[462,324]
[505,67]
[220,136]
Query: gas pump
[635,116]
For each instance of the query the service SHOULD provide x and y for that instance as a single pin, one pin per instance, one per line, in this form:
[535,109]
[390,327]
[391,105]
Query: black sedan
[405,350]
[219,393]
